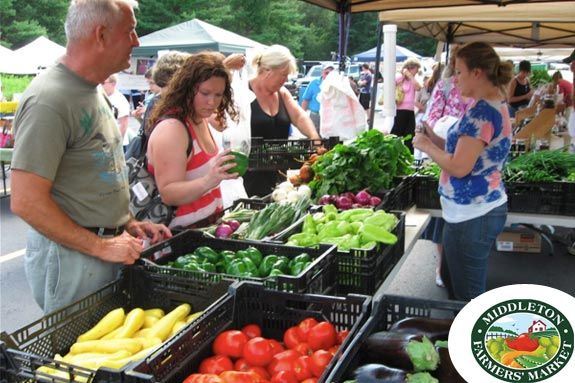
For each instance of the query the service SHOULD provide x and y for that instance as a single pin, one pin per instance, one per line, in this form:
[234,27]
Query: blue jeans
[466,246]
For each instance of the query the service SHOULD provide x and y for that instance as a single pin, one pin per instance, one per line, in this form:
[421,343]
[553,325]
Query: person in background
[364,83]
[353,85]
[68,171]
[566,89]
[404,122]
[520,92]
[120,105]
[187,165]
[272,109]
[445,100]
[571,122]
[473,198]
[310,97]
[153,89]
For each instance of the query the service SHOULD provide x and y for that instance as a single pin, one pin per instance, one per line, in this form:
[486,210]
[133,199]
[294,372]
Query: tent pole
[344,22]
[373,97]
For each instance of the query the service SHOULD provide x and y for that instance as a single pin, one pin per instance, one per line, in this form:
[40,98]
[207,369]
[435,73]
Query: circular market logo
[522,340]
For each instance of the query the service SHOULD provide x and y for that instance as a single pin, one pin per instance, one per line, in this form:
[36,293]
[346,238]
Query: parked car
[314,72]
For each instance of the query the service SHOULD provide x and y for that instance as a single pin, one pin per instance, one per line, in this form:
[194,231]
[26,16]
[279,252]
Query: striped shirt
[210,203]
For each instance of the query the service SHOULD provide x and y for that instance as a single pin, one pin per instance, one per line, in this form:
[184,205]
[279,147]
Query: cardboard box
[520,241]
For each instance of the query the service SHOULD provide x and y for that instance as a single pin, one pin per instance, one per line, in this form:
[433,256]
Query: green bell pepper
[266,265]
[350,242]
[281,264]
[251,267]
[329,230]
[355,226]
[254,254]
[208,254]
[329,208]
[208,267]
[298,267]
[303,257]
[193,266]
[237,268]
[181,261]
[275,273]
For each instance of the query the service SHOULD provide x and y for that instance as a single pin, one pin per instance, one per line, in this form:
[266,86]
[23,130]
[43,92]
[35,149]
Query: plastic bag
[341,114]
[237,135]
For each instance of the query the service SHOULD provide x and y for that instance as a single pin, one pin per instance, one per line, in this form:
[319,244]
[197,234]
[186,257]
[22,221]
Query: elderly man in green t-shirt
[69,179]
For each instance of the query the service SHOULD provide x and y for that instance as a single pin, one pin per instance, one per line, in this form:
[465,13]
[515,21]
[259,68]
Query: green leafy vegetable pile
[369,162]
[542,166]
[430,169]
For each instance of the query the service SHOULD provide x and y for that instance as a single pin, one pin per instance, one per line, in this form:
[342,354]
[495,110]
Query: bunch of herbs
[541,166]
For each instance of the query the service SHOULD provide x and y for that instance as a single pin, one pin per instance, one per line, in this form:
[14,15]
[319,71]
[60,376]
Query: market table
[5,159]
[416,220]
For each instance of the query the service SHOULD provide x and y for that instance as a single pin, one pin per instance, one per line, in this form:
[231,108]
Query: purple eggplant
[378,373]
[446,372]
[405,351]
[434,329]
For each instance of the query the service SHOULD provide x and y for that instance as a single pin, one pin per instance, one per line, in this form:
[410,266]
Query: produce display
[413,350]
[360,228]
[541,166]
[430,169]
[247,357]
[243,263]
[349,200]
[254,224]
[370,162]
[119,338]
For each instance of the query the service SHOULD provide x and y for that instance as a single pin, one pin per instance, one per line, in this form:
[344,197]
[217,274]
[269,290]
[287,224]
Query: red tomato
[262,372]
[240,377]
[333,349]
[304,326]
[277,347]
[319,361]
[341,335]
[322,336]
[302,367]
[283,361]
[284,377]
[241,365]
[252,330]
[230,343]
[303,348]
[291,337]
[258,352]
[203,378]
[310,380]
[216,365]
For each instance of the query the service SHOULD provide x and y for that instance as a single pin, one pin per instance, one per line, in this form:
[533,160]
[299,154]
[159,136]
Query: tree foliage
[310,32]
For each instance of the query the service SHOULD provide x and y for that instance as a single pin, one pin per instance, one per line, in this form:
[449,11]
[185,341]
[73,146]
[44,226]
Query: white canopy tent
[32,58]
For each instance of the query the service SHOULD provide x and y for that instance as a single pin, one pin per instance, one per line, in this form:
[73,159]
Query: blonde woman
[404,123]
[272,109]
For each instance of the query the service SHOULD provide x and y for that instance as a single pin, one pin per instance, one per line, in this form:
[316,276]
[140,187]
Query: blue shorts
[59,276]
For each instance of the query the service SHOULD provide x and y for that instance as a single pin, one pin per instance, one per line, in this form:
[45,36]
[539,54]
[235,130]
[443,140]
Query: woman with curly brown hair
[182,154]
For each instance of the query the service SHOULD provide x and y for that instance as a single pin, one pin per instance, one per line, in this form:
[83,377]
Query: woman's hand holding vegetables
[223,162]
[422,142]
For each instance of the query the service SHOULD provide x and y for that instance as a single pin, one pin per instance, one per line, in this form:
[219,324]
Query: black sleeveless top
[269,127]
[520,90]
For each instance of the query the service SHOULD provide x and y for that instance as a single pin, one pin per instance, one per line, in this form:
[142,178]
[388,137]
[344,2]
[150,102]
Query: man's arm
[31,200]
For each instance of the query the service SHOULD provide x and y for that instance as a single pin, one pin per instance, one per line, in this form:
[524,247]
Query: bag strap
[145,137]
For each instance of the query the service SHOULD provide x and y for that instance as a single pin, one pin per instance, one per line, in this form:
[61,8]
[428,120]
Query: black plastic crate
[386,311]
[569,198]
[318,277]
[362,271]
[34,345]
[402,196]
[536,198]
[247,302]
[280,154]
[425,192]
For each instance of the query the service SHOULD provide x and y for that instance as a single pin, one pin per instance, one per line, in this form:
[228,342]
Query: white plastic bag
[341,114]
[238,134]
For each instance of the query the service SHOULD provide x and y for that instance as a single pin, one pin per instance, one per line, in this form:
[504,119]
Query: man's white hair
[84,15]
